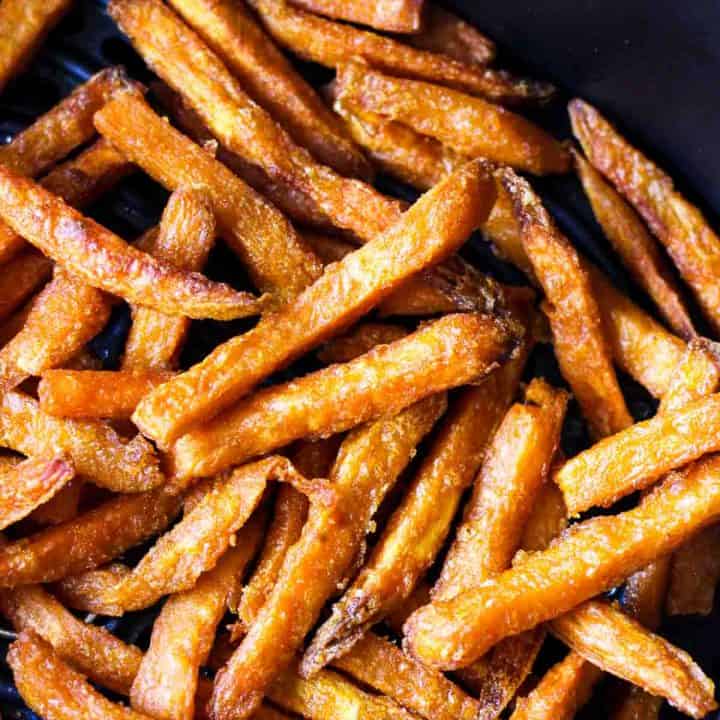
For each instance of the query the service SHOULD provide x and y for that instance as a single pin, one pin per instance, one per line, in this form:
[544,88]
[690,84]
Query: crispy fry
[401,16]
[470,126]
[60,507]
[417,529]
[427,233]
[618,644]
[182,636]
[591,557]
[369,462]
[19,278]
[627,234]
[331,44]
[103,260]
[230,30]
[446,33]
[96,393]
[94,448]
[26,486]
[581,347]
[361,339]
[679,225]
[547,520]
[645,591]
[87,591]
[696,376]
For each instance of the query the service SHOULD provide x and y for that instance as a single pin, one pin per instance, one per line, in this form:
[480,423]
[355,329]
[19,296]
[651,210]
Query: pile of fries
[396,532]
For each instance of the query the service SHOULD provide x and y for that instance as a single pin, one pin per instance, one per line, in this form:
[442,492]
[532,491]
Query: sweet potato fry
[26,486]
[427,233]
[20,277]
[182,636]
[87,591]
[638,705]
[618,644]
[96,393]
[94,448]
[361,339]
[679,225]
[470,126]
[331,44]
[417,529]
[60,507]
[230,30]
[590,558]
[636,457]
[644,594]
[275,256]
[579,337]
[637,249]
[446,33]
[103,260]
[401,16]
[196,543]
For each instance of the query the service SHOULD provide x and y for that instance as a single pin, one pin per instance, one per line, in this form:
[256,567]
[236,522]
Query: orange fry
[331,44]
[588,559]
[94,448]
[470,126]
[401,16]
[87,591]
[20,276]
[26,486]
[60,507]
[361,339]
[638,705]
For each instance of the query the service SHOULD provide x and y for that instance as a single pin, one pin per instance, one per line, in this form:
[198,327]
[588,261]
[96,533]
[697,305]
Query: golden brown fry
[96,393]
[87,591]
[588,559]
[369,462]
[470,126]
[564,689]
[426,234]
[230,30]
[361,339]
[637,249]
[19,278]
[401,16]
[638,705]
[94,448]
[182,636]
[446,33]
[61,507]
[331,44]
[679,225]
[580,344]
[645,591]
[103,260]
[620,645]
[26,486]
[547,521]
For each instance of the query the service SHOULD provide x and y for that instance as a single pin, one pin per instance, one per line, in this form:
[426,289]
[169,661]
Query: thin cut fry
[19,278]
[26,486]
[638,250]
[597,631]
[369,462]
[580,344]
[94,448]
[589,558]
[230,30]
[182,636]
[331,44]
[401,16]
[470,126]
[361,339]
[103,260]
[679,225]
[23,27]
[426,234]
[96,393]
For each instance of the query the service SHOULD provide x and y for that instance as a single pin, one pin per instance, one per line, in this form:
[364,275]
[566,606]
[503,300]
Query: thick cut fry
[638,705]
[426,234]
[379,664]
[418,527]
[369,462]
[636,457]
[620,645]
[183,634]
[401,16]
[637,249]
[59,693]
[361,339]
[331,44]
[564,689]
[92,650]
[470,126]
[61,507]
[588,559]
[446,33]
[23,27]
[580,344]
[94,448]
[679,225]
[28,485]
[87,591]
[275,256]
[196,543]
[96,393]
[19,278]
[270,79]
[103,260]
